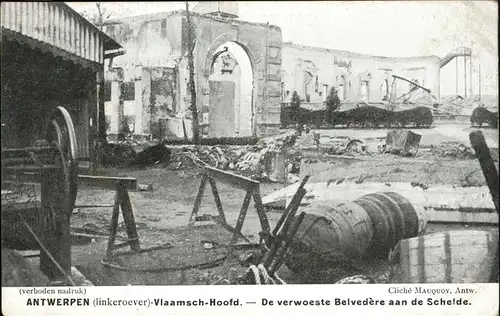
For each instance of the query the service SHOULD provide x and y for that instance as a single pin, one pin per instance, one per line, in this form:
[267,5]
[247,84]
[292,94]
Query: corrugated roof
[55,27]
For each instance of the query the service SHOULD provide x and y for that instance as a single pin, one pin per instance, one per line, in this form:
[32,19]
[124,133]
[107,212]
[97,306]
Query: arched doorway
[365,90]
[342,89]
[231,90]
[384,90]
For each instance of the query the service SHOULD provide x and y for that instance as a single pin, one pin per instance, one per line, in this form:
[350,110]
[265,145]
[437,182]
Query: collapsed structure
[313,71]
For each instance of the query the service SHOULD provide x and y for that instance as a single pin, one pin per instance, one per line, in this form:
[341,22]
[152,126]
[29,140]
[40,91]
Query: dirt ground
[162,215]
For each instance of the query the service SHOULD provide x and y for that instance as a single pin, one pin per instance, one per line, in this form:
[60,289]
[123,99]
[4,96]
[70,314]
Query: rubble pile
[256,161]
[130,152]
[455,150]
[118,154]
[334,145]
[457,104]
[344,145]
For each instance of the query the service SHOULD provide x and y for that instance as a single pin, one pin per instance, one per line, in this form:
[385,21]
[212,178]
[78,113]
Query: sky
[393,29]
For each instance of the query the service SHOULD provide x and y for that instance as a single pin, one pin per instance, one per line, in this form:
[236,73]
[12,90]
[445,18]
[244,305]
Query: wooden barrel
[414,215]
[464,256]
[332,229]
[393,217]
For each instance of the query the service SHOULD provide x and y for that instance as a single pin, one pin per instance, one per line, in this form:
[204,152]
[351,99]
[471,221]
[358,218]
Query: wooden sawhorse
[122,201]
[252,189]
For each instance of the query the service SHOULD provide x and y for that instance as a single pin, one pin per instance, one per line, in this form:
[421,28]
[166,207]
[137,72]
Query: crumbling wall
[333,68]
[158,42]
[262,43]
[153,49]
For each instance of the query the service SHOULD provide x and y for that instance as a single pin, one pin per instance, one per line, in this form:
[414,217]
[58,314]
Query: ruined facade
[148,87]
[313,71]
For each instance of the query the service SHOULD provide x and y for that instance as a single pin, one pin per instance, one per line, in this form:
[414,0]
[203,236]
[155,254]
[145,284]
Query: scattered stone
[455,150]
[153,218]
[145,187]
[208,245]
[258,161]
[245,257]
[356,279]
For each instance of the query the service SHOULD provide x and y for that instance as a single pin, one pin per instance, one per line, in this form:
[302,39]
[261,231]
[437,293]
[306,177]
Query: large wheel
[56,201]
[61,133]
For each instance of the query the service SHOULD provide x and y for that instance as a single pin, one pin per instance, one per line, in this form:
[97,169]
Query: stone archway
[230,81]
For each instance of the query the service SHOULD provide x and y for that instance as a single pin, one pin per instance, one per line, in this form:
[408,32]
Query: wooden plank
[436,196]
[218,202]
[107,182]
[287,209]
[28,168]
[197,202]
[241,218]
[114,225]
[234,180]
[456,216]
[88,180]
[264,222]
[487,165]
[413,83]
[443,203]
[128,217]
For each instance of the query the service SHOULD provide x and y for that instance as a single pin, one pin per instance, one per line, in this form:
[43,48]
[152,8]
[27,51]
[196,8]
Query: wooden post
[128,218]
[241,217]
[218,202]
[192,88]
[264,222]
[101,116]
[197,202]
[114,225]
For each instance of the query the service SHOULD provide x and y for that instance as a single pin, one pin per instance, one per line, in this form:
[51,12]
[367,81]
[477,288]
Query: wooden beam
[107,182]
[444,203]
[416,84]
[91,181]
[198,200]
[236,181]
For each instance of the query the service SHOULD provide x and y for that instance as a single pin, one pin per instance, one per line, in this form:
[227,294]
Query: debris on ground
[455,150]
[263,161]
[402,142]
[155,154]
[145,187]
[131,152]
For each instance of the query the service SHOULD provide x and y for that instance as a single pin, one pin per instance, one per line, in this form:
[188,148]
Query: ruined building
[237,74]
[313,71]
